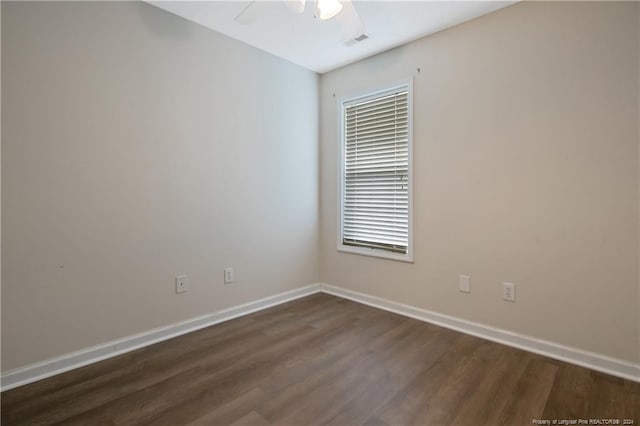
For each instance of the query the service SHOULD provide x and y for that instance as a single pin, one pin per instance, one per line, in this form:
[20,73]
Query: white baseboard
[51,367]
[594,361]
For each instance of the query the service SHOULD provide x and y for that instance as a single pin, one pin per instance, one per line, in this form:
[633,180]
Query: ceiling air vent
[360,38]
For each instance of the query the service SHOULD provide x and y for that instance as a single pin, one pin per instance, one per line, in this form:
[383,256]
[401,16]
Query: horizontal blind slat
[376,103]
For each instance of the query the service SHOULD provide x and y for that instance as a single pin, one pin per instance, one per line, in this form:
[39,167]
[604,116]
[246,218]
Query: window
[375,174]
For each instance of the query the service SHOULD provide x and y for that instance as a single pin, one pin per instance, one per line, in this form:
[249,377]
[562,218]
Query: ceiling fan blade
[296,6]
[248,14]
[350,22]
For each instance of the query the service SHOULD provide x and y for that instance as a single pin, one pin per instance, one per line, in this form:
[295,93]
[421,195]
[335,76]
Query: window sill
[365,251]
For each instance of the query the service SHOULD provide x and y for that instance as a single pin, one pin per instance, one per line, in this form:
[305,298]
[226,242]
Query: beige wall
[137,146]
[525,170]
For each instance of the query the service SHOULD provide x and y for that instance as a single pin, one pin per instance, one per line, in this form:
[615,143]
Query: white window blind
[375,204]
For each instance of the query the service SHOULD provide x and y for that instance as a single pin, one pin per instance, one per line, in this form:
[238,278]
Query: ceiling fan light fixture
[327,9]
[296,6]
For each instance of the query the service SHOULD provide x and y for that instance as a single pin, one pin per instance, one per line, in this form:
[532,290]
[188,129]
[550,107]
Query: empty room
[320,212]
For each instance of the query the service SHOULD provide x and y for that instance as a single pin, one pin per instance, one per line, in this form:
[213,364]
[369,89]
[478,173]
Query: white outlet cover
[464,283]
[509,292]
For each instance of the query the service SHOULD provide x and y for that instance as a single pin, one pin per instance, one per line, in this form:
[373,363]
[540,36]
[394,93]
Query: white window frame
[361,97]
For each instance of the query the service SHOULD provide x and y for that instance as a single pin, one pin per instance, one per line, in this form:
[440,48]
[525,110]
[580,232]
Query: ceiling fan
[323,10]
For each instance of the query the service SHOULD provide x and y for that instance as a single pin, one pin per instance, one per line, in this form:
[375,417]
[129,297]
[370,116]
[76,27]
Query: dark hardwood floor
[323,360]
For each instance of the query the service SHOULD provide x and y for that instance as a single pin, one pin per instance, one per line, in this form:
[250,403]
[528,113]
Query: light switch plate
[228,275]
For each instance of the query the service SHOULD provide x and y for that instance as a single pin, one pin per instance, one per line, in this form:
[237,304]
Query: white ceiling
[319,45]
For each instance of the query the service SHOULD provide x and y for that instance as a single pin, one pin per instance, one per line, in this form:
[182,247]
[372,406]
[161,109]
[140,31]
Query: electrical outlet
[228,275]
[509,292]
[464,283]
[182,284]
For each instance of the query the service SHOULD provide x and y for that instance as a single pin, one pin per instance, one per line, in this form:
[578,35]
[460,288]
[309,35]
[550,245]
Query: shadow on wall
[163,23]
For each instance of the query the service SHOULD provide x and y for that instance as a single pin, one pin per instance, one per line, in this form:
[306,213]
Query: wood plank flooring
[323,360]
